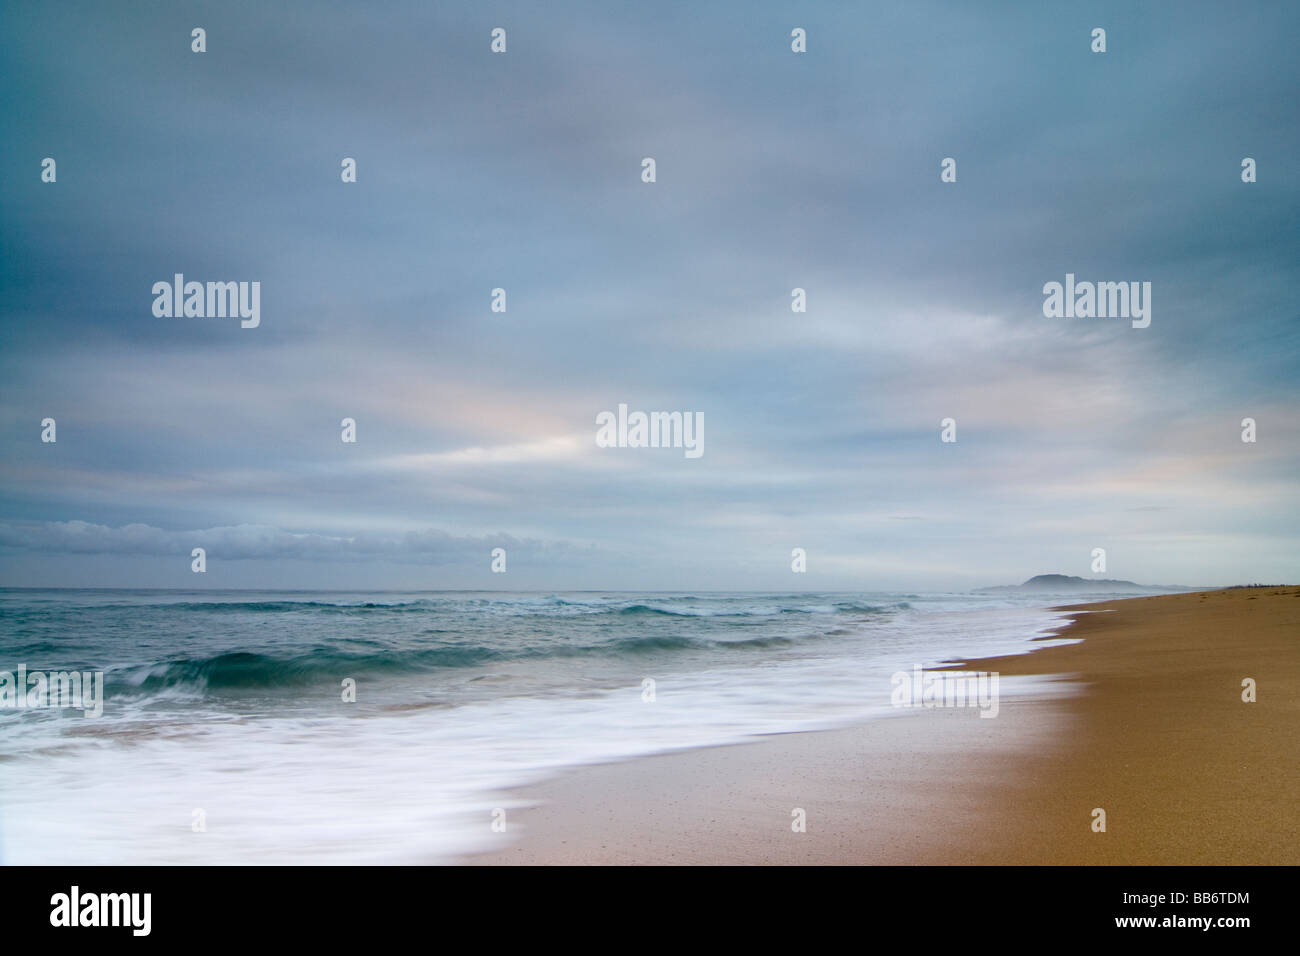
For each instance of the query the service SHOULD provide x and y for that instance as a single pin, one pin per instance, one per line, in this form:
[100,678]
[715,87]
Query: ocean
[226,737]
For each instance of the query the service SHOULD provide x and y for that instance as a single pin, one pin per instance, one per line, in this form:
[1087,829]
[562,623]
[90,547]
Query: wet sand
[1156,734]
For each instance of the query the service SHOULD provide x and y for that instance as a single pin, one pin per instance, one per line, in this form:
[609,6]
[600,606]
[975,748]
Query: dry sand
[1158,736]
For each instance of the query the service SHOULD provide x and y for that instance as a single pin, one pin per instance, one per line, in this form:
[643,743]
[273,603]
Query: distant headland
[1057,583]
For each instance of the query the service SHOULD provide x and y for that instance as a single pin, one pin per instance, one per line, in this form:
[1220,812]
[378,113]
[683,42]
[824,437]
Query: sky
[522,170]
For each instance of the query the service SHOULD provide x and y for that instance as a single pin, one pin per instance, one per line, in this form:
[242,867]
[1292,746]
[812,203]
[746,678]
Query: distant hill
[1056,583]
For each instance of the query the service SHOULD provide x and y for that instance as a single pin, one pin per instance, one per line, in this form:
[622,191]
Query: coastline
[1158,736]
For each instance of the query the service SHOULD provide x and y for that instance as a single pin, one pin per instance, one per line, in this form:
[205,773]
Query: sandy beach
[1155,733]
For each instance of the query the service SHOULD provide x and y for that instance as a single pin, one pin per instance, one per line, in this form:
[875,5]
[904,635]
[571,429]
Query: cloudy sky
[522,171]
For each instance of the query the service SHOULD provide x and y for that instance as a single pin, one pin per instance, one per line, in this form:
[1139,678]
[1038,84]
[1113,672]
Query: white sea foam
[416,780]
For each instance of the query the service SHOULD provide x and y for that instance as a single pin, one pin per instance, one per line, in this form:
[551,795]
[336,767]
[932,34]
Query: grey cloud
[250,542]
[819,171]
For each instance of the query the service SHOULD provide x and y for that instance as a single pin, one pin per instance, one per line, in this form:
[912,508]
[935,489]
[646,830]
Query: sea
[278,727]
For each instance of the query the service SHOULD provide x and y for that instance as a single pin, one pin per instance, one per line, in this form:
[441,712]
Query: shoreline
[1157,736]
